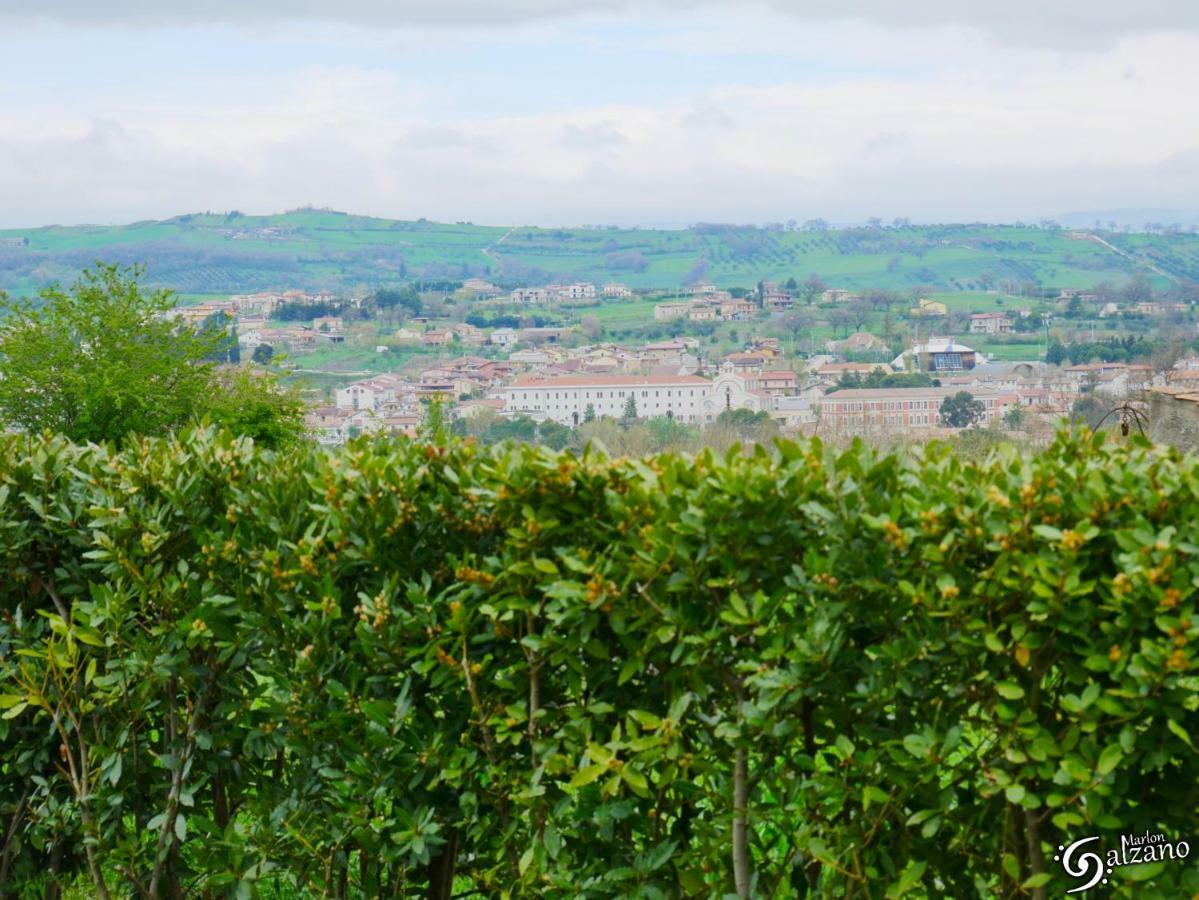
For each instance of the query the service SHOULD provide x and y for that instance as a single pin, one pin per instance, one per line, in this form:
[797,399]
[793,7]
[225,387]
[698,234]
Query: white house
[369,394]
[580,290]
[530,295]
[990,323]
[503,337]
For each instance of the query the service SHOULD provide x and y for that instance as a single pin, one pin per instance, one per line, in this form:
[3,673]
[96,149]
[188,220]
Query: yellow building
[927,307]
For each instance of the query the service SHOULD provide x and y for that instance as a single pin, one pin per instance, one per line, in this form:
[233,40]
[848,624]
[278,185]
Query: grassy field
[206,255]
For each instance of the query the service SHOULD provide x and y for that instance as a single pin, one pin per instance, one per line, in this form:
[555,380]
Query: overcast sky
[597,111]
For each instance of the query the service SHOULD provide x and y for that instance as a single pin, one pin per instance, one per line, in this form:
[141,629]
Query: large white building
[688,398]
[565,398]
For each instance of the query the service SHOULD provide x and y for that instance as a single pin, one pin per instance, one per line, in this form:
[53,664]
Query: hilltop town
[808,358]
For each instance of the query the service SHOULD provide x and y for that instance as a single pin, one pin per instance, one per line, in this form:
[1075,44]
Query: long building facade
[565,398]
[687,398]
[853,409]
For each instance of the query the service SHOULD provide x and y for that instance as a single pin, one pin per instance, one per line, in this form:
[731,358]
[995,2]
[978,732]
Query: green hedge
[404,669]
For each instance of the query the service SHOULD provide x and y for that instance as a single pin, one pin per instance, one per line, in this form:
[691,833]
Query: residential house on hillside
[328,323]
[468,334]
[990,323]
[735,309]
[777,383]
[437,338]
[503,337]
[612,289]
[858,342]
[925,307]
[660,350]
[530,295]
[743,363]
[670,310]
[368,394]
[770,347]
[481,287]
[776,300]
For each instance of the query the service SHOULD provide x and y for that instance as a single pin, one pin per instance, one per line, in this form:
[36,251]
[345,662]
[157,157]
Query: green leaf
[526,860]
[1180,732]
[1009,690]
[89,637]
[1035,881]
[873,794]
[13,711]
[907,879]
[917,745]
[545,565]
[635,780]
[1109,759]
[586,775]
[645,719]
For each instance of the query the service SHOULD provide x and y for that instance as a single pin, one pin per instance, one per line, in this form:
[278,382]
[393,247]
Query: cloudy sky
[597,111]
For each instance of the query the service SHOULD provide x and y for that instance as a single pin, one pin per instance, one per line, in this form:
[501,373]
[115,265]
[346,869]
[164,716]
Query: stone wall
[1174,417]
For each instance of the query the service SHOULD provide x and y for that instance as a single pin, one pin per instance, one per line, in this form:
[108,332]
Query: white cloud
[937,125]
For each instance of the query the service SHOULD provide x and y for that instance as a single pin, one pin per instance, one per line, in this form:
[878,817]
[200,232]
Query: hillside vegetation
[406,669]
[311,249]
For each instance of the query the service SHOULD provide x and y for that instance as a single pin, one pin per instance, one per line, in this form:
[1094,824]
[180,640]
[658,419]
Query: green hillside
[316,249]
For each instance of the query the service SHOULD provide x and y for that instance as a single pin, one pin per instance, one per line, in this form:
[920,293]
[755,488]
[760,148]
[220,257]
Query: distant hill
[318,249]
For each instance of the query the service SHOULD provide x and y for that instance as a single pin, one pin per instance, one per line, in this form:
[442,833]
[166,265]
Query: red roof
[532,381]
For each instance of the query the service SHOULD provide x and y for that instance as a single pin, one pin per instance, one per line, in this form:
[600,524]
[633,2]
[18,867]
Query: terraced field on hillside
[310,249]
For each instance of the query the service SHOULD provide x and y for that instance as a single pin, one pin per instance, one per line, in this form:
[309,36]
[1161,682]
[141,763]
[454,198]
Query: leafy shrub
[387,669]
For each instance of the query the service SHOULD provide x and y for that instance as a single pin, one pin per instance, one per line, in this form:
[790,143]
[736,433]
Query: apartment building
[858,409]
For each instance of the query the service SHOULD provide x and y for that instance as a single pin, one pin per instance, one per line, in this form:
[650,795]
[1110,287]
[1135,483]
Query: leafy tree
[554,435]
[591,326]
[630,407]
[961,410]
[1014,417]
[589,413]
[518,428]
[1055,355]
[219,326]
[106,358]
[263,354]
[102,360]
[255,404]
[1088,410]
[407,297]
